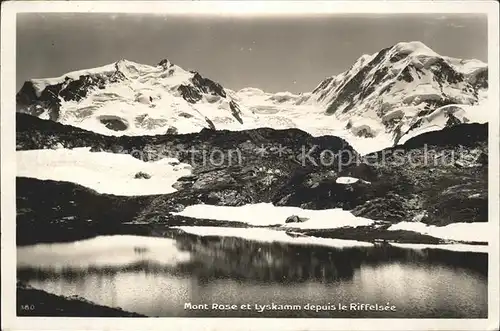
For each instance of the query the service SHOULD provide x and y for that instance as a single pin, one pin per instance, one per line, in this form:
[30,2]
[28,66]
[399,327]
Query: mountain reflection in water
[226,270]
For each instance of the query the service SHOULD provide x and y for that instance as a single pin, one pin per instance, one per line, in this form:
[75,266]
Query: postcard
[280,165]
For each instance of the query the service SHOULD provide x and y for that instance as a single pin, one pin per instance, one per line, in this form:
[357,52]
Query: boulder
[142,175]
[172,130]
[295,219]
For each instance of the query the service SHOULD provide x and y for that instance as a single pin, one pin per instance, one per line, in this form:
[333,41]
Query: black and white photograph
[317,165]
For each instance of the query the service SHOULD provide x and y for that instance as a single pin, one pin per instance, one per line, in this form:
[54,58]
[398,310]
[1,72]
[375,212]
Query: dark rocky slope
[246,176]
[438,178]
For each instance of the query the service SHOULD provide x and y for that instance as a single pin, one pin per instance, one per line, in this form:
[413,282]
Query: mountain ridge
[49,97]
[389,97]
[401,84]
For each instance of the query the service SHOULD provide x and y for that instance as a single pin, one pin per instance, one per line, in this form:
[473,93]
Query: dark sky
[271,53]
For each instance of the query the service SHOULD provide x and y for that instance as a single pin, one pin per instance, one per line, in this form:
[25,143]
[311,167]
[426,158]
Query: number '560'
[27,307]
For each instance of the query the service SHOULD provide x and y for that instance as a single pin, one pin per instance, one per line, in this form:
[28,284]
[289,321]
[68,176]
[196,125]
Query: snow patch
[455,231]
[266,214]
[103,172]
[347,180]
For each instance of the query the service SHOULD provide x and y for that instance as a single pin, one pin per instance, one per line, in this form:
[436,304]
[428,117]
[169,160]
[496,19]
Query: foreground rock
[33,302]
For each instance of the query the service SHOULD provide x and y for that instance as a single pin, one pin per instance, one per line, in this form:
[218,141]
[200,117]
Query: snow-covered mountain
[386,98]
[130,98]
[383,99]
[404,90]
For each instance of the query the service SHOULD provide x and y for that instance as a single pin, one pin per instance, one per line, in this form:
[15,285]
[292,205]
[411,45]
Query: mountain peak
[122,61]
[165,63]
[413,48]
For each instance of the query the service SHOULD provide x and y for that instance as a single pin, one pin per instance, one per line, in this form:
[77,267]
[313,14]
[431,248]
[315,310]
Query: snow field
[103,172]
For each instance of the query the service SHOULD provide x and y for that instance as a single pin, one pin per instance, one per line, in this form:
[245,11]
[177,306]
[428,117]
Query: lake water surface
[162,276]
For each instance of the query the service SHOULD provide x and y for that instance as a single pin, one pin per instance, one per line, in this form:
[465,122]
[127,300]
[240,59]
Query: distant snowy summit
[383,99]
[403,89]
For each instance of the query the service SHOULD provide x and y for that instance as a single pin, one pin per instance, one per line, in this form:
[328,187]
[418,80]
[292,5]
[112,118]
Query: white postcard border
[239,8]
